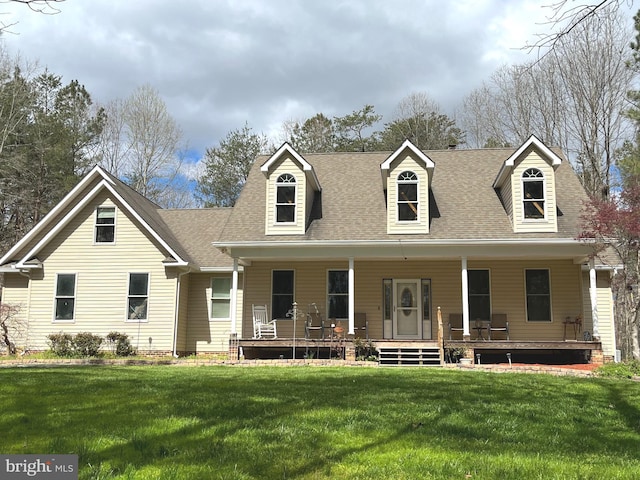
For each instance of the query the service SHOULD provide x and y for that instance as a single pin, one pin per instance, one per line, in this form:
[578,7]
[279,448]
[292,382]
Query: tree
[350,130]
[315,135]
[227,166]
[574,98]
[11,326]
[419,120]
[615,223]
[46,7]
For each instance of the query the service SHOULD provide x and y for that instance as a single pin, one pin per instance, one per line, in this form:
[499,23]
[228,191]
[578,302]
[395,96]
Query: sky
[218,64]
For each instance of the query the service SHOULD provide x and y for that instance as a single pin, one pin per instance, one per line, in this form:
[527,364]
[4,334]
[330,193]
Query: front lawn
[170,422]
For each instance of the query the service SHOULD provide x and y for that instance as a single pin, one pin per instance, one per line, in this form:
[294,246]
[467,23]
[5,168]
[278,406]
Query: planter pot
[465,361]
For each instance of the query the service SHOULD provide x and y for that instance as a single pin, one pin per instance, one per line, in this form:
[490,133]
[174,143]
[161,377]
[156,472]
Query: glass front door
[407,310]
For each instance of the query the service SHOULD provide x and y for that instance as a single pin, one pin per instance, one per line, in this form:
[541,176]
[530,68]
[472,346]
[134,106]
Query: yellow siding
[507,291]
[393,225]
[102,273]
[286,165]
[205,335]
[533,160]
[16,293]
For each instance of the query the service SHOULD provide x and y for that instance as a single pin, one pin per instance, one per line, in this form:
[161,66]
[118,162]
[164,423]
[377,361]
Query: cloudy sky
[217,64]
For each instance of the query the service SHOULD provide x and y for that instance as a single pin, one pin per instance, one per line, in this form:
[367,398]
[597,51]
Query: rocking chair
[261,323]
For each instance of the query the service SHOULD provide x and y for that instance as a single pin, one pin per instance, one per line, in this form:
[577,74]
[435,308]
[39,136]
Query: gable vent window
[286,198]
[105,224]
[407,197]
[533,193]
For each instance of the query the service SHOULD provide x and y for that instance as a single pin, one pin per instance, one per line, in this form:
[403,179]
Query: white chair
[261,323]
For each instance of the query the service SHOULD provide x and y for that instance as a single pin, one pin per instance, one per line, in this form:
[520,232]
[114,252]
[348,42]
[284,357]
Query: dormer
[292,185]
[527,185]
[406,176]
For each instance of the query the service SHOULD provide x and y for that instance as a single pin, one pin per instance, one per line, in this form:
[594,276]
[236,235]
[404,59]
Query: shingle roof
[354,208]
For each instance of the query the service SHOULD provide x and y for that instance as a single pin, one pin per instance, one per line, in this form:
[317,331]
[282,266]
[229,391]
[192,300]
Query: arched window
[286,198]
[407,197]
[533,193]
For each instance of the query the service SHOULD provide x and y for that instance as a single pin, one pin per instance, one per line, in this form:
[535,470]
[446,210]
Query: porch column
[234,297]
[593,293]
[352,302]
[466,335]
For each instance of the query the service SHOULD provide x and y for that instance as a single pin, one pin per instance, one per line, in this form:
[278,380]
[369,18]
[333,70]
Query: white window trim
[137,320]
[526,310]
[96,224]
[211,317]
[294,184]
[544,193]
[398,201]
[75,297]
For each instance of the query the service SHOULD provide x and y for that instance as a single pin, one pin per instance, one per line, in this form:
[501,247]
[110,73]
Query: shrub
[61,344]
[620,370]
[120,344]
[86,344]
[365,350]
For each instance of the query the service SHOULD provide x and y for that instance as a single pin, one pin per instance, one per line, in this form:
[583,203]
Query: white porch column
[593,293]
[352,302]
[234,297]
[466,334]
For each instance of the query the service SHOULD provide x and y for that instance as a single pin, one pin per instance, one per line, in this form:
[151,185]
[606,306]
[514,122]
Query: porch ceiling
[408,250]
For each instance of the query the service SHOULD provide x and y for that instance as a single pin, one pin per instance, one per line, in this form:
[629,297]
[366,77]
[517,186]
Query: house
[395,237]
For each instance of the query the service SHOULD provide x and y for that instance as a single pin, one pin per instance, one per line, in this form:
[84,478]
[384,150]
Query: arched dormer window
[533,194]
[286,198]
[407,197]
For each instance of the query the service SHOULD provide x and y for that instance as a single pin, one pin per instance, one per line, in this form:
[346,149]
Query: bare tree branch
[44,7]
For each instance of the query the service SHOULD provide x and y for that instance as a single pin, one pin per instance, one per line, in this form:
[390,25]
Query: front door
[407,309]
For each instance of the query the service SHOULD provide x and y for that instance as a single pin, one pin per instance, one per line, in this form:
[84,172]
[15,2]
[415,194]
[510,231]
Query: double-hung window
[538,289]
[479,295]
[286,198]
[338,294]
[533,193]
[65,296]
[282,282]
[105,225]
[220,298]
[407,197]
[138,298]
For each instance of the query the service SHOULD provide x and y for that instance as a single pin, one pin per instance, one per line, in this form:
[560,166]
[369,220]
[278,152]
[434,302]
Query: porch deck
[490,351]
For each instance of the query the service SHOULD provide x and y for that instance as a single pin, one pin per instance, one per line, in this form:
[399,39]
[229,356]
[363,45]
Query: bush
[61,344]
[86,344]
[120,344]
[620,370]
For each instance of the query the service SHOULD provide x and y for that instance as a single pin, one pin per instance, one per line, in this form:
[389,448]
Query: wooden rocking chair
[261,323]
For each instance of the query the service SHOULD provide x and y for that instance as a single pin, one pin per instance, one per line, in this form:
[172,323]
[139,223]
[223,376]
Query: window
[426,299]
[407,197]
[338,293]
[221,298]
[105,224]
[281,293]
[538,295]
[286,198]
[533,193]
[479,295]
[387,289]
[65,296]
[138,296]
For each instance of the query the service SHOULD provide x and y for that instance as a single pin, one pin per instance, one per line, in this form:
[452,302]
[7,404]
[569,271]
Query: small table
[479,326]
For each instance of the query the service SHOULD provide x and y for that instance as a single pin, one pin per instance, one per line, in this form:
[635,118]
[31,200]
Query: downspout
[177,314]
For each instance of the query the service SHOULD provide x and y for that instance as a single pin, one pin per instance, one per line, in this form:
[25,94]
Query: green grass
[315,423]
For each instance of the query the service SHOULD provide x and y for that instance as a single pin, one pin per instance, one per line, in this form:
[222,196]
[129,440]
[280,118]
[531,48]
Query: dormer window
[286,198]
[105,225]
[533,194]
[407,197]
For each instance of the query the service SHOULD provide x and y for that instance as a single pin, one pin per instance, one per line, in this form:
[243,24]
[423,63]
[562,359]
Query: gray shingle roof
[354,208]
